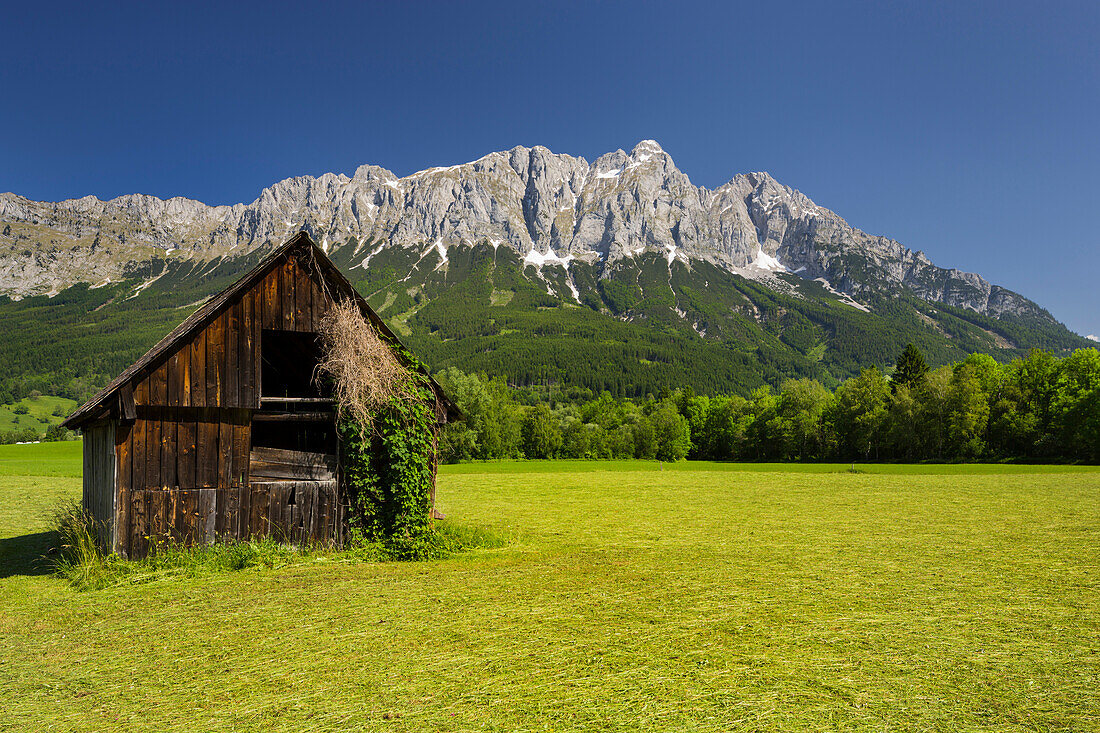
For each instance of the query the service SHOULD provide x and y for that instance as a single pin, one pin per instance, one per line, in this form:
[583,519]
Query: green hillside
[646,328]
[34,413]
[650,327]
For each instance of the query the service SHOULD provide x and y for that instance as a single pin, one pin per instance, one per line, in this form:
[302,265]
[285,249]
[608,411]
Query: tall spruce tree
[910,368]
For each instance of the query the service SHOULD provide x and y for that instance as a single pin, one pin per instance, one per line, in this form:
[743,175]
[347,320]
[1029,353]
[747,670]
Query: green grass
[42,459]
[896,469]
[40,413]
[697,598]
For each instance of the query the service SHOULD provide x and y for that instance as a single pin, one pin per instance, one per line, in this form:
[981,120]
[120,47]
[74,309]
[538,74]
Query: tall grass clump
[84,564]
[82,561]
[80,558]
[447,539]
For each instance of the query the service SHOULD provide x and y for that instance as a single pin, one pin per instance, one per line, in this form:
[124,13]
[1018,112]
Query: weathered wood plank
[186,453]
[272,402]
[249,336]
[170,522]
[215,362]
[241,435]
[244,511]
[314,526]
[303,534]
[172,369]
[258,524]
[182,515]
[208,511]
[158,385]
[243,368]
[138,452]
[231,363]
[164,525]
[168,439]
[272,416]
[296,457]
[127,410]
[88,470]
[183,357]
[309,518]
[288,471]
[274,518]
[332,515]
[141,390]
[280,511]
[286,293]
[189,512]
[139,525]
[152,454]
[124,451]
[225,453]
[123,497]
[339,517]
[198,370]
[303,307]
[255,341]
[207,456]
[318,299]
[221,514]
[290,511]
[322,301]
[319,509]
[270,309]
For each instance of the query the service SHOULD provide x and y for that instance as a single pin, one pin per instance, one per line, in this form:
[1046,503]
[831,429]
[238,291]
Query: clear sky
[968,130]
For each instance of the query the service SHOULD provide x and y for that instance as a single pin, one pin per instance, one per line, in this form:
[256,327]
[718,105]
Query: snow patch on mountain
[844,297]
[550,258]
[764,261]
[142,286]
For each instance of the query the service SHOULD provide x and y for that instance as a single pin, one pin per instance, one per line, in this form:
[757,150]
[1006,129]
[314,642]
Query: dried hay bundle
[365,372]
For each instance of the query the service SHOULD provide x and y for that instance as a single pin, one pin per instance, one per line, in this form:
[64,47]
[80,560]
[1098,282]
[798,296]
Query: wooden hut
[220,431]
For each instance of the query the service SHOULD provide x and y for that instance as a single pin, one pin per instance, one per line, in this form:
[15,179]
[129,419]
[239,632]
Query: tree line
[1039,407]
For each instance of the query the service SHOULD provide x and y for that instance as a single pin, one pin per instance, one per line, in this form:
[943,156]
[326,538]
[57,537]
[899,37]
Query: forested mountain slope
[618,275]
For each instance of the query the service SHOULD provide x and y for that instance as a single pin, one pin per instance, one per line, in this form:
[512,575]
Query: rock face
[542,205]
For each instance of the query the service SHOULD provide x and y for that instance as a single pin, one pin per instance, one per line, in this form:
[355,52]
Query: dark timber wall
[183,460]
[99,478]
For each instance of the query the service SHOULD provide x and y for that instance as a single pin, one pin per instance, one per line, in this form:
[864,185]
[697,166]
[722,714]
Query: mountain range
[617,274]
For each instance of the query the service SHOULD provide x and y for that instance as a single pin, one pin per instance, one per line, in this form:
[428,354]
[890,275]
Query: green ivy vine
[387,471]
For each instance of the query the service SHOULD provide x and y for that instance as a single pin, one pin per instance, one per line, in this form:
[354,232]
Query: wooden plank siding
[272,463]
[100,480]
[183,463]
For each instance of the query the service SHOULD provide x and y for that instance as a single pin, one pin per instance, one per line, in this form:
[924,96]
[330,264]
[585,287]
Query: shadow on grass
[28,554]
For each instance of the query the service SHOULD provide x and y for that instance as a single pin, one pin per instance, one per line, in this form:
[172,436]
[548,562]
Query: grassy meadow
[35,413]
[632,596]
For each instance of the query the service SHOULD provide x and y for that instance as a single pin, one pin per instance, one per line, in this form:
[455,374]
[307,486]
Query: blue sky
[968,130]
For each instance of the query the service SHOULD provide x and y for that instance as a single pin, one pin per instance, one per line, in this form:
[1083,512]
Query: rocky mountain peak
[613,212]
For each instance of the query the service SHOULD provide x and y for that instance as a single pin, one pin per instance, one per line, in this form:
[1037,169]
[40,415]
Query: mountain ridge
[618,274]
[536,201]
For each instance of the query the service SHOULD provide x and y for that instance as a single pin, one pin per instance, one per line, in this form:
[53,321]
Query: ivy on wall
[386,424]
[388,470]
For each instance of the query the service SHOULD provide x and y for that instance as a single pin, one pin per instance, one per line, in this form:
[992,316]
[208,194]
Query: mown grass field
[680,598]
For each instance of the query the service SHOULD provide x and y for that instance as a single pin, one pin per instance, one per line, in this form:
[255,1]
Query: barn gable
[219,429]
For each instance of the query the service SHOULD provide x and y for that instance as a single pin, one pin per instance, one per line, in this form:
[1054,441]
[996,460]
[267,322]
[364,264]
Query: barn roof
[96,406]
